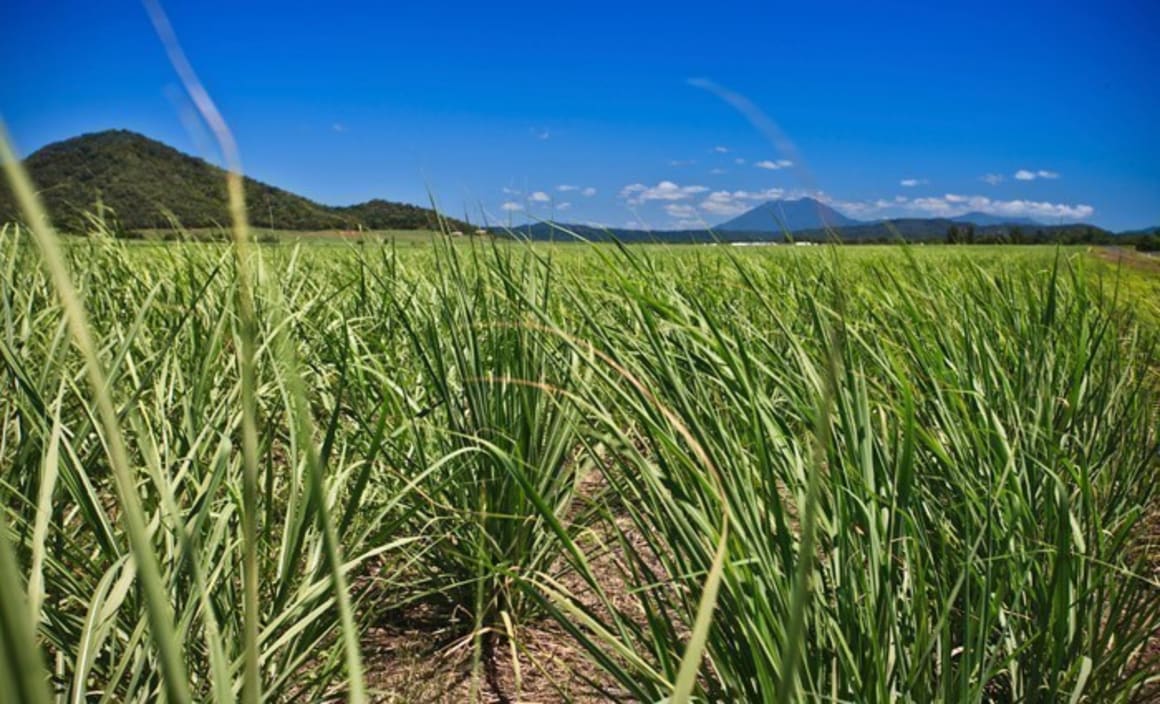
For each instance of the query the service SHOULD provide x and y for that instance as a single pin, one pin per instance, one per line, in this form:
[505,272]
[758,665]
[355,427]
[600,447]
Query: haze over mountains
[149,185]
[810,214]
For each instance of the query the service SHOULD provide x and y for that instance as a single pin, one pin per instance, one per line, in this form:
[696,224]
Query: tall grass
[490,388]
[986,461]
[147,474]
[632,442]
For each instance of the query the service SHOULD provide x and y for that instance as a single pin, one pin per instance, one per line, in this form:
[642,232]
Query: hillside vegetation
[141,183]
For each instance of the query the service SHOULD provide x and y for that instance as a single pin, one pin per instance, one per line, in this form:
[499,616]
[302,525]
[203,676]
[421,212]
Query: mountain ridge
[147,184]
[806,213]
[933,230]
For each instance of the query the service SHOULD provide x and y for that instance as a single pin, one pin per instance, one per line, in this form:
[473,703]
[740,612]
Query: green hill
[149,185]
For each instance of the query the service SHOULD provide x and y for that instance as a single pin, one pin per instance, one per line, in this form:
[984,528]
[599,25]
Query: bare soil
[428,654]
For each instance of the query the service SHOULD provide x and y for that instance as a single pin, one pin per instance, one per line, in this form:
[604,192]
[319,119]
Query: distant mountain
[803,218]
[145,183]
[1143,231]
[778,216]
[977,218]
[792,215]
[907,229]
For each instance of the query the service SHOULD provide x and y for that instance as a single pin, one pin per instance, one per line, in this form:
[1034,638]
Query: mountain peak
[778,216]
[104,139]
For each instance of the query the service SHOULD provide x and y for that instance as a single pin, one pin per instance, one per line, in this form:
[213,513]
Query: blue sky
[585,111]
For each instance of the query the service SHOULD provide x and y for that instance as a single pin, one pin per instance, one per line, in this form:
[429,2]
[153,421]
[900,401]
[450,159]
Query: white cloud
[587,192]
[540,197]
[679,162]
[512,207]
[638,193]
[721,150]
[723,203]
[933,206]
[993,179]
[953,204]
[681,210]
[1029,175]
[510,191]
[739,161]
[718,172]
[912,182]
[773,165]
[1035,209]
[338,127]
[541,133]
[854,209]
[737,202]
[563,206]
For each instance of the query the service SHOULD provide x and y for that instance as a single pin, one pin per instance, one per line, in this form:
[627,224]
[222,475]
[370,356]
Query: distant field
[1137,273]
[265,234]
[481,470]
